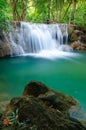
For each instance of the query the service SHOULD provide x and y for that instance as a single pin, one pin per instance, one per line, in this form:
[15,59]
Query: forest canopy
[39,11]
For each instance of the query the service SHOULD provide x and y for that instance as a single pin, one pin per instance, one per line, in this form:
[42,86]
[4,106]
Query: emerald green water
[66,74]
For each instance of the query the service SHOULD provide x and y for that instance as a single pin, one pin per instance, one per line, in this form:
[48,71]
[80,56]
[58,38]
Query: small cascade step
[34,38]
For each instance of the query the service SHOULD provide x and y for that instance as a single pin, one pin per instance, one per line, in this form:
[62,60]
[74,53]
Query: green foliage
[80,16]
[60,11]
[40,10]
[3,24]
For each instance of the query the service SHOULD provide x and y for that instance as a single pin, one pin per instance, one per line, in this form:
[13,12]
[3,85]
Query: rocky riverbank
[77,38]
[41,108]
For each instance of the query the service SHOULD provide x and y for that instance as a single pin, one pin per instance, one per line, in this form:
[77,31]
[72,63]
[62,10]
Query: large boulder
[50,97]
[76,45]
[35,88]
[83,38]
[41,108]
[76,35]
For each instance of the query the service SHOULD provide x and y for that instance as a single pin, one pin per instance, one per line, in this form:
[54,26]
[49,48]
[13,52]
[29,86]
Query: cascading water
[63,28]
[29,38]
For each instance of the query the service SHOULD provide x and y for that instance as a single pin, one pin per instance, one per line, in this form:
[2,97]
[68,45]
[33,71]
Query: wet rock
[55,99]
[4,50]
[41,108]
[35,88]
[78,112]
[83,38]
[78,46]
[66,48]
[70,29]
[3,106]
[1,37]
[33,111]
[76,35]
[6,47]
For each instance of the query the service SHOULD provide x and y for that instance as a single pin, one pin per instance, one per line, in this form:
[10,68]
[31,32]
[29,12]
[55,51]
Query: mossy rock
[41,108]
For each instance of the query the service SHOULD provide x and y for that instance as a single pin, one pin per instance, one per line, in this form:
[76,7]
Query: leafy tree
[3,17]
[63,11]
[19,8]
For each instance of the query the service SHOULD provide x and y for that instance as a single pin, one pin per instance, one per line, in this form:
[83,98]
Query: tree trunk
[13,4]
[57,15]
[49,10]
[67,9]
[72,16]
[19,11]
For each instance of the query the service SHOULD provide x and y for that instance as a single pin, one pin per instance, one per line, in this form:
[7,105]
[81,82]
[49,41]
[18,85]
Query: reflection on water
[66,74]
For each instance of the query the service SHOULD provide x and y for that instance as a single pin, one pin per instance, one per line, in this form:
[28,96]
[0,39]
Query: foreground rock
[3,106]
[40,108]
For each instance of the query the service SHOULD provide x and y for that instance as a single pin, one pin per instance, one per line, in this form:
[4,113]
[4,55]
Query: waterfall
[63,28]
[34,38]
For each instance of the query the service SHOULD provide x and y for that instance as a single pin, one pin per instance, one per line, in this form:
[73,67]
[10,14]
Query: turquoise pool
[64,73]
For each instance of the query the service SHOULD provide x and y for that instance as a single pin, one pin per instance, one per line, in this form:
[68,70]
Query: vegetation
[3,16]
[63,11]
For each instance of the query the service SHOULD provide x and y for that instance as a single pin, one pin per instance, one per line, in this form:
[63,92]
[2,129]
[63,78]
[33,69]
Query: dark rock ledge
[40,108]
